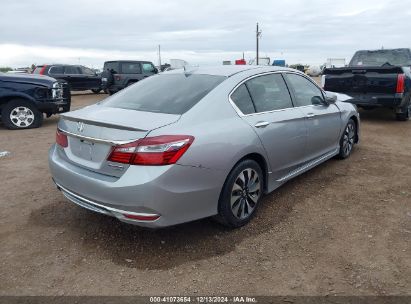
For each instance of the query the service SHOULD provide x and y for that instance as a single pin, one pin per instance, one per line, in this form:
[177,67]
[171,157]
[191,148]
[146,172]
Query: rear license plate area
[86,150]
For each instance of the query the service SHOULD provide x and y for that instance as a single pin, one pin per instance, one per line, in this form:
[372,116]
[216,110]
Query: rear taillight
[43,69]
[152,151]
[117,77]
[400,83]
[61,139]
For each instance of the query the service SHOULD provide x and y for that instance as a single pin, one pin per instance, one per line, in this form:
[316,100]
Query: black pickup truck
[380,78]
[24,98]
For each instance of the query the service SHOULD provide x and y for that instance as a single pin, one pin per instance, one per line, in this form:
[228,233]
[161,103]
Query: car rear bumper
[376,100]
[122,215]
[175,193]
[54,107]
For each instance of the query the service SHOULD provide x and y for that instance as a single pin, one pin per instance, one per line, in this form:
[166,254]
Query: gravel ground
[343,228]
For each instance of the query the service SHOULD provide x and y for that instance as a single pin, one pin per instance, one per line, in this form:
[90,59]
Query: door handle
[310,115]
[261,124]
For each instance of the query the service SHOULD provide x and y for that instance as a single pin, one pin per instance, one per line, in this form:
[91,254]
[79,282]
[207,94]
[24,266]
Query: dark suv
[25,97]
[121,73]
[79,78]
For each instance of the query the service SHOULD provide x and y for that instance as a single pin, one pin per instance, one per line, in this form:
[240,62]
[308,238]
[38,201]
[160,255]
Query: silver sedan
[189,144]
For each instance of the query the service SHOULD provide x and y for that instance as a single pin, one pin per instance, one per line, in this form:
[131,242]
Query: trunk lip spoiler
[101,123]
[97,140]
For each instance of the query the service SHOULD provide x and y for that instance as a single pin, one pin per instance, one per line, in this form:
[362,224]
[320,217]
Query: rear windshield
[400,57]
[37,69]
[171,94]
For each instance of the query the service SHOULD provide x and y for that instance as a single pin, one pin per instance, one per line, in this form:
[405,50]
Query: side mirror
[317,100]
[330,97]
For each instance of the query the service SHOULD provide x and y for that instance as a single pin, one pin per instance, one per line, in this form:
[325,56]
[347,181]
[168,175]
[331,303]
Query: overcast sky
[201,32]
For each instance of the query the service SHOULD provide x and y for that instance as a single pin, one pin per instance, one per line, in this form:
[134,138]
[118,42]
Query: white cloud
[203,33]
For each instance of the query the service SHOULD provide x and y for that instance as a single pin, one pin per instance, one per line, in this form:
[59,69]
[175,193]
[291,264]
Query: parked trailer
[279,62]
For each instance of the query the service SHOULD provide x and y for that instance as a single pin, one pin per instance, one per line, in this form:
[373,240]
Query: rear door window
[56,69]
[269,93]
[130,68]
[71,70]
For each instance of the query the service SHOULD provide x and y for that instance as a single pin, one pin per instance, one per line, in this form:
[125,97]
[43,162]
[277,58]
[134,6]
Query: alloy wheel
[348,139]
[245,193]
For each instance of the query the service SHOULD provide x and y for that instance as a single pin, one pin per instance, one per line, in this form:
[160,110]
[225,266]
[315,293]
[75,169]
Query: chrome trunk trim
[97,140]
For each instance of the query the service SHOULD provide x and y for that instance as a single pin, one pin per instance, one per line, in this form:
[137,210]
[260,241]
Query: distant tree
[5,69]
[33,67]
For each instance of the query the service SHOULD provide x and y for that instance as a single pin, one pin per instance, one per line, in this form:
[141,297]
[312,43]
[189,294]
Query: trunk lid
[93,131]
[362,80]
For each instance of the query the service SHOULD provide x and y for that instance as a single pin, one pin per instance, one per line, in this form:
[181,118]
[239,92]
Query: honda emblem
[80,126]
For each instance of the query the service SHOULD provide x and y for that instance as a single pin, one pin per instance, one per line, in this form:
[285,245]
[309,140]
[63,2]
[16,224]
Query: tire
[95,91]
[406,113]
[110,79]
[238,201]
[21,114]
[347,140]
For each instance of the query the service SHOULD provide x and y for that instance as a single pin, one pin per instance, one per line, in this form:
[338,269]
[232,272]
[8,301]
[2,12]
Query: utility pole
[258,35]
[159,58]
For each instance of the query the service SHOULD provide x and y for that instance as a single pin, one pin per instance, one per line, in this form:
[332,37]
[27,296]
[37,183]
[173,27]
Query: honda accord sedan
[194,143]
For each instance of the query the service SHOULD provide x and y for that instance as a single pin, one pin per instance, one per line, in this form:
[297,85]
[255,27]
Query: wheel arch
[261,161]
[357,129]
[131,82]
[221,217]
[7,98]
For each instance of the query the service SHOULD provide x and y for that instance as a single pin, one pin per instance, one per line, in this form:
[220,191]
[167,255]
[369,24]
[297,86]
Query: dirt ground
[343,228]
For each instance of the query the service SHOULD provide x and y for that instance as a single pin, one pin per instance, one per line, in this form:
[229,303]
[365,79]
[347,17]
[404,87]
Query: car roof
[226,70]
[377,50]
[58,64]
[127,61]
